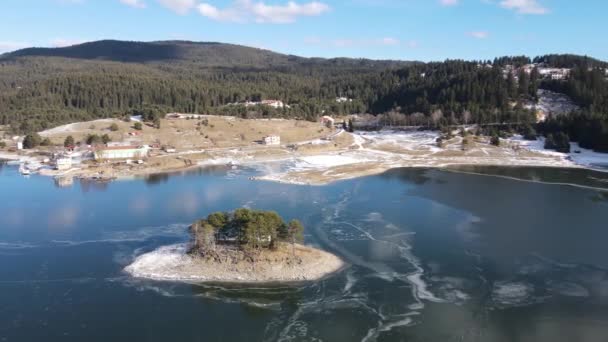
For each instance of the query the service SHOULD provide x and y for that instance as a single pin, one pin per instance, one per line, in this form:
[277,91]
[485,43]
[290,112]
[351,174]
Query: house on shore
[63,163]
[272,140]
[327,121]
[277,104]
[121,152]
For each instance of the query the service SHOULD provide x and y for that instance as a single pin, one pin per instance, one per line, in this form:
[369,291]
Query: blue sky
[388,29]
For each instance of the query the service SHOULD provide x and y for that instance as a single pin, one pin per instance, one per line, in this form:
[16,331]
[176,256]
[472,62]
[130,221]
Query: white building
[121,152]
[270,103]
[554,73]
[272,140]
[63,163]
[327,121]
[343,99]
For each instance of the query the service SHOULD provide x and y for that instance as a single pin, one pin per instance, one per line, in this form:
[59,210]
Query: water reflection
[157,178]
[160,178]
[64,181]
[600,197]
[435,256]
[574,176]
[408,175]
[91,185]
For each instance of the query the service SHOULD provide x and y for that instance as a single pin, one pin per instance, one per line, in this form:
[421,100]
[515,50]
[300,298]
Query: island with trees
[243,246]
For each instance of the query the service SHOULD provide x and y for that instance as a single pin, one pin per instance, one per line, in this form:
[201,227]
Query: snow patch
[161,263]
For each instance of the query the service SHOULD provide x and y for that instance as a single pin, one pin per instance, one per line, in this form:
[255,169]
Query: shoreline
[363,154]
[287,177]
[173,263]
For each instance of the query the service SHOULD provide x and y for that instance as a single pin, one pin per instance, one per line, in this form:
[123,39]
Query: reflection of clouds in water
[379,251]
[466,228]
[374,217]
[565,329]
[569,289]
[63,217]
[212,194]
[184,203]
[508,294]
[139,205]
[391,226]
[13,217]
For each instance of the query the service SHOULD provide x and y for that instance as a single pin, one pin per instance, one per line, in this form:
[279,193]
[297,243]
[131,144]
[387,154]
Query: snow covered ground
[408,140]
[579,156]
[374,152]
[73,127]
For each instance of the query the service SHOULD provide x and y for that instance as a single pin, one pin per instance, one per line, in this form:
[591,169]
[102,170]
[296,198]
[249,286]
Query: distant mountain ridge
[207,54]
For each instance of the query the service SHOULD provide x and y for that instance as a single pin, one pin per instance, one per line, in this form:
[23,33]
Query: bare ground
[320,155]
[308,264]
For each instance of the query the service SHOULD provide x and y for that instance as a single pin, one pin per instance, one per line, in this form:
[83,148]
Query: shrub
[559,142]
[31,141]
[69,141]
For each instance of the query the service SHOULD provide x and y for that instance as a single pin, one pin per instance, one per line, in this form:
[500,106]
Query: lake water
[434,255]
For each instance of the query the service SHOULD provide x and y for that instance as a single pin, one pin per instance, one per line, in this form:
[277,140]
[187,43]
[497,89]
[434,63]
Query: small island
[244,246]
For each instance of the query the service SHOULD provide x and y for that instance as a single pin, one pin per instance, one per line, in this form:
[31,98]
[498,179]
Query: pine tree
[69,141]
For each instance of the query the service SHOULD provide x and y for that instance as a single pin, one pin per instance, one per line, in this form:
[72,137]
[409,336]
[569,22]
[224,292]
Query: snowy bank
[175,264]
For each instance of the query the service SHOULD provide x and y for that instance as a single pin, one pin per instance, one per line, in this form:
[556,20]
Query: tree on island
[293,232]
[249,230]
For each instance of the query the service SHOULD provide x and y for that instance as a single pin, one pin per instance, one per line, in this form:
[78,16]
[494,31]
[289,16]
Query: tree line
[250,230]
[37,93]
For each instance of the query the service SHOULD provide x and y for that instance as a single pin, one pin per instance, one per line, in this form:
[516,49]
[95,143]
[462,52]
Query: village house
[121,152]
[554,73]
[327,121]
[63,163]
[270,103]
[272,140]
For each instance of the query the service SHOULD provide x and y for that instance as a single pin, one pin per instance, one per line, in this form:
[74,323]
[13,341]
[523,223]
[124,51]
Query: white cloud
[449,2]
[524,6]
[390,41]
[7,46]
[260,12]
[179,6]
[63,42]
[70,2]
[134,3]
[479,34]
[313,40]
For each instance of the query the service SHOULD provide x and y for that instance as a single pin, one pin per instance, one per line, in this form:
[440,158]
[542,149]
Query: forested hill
[207,54]
[45,87]
[199,54]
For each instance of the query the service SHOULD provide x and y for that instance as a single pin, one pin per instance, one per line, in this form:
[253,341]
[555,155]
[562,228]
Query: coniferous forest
[45,87]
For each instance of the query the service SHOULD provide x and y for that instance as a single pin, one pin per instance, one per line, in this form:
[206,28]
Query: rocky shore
[228,266]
